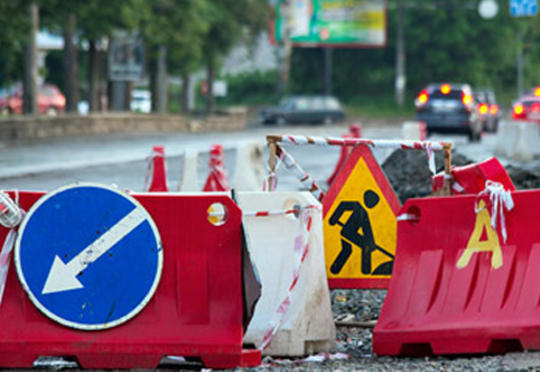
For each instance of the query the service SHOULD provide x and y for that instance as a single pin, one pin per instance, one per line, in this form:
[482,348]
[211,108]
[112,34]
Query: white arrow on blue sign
[89,256]
[523,8]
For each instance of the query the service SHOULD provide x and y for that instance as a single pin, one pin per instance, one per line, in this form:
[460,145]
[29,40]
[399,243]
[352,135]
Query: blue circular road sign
[89,256]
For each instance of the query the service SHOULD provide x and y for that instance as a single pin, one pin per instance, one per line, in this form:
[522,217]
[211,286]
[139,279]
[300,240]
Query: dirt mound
[523,178]
[409,174]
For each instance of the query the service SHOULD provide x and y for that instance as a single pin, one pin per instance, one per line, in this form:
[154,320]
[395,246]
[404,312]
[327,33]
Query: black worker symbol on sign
[357,230]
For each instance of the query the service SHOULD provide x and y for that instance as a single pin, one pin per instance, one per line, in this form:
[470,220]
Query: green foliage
[251,88]
[444,42]
[15,25]
[233,21]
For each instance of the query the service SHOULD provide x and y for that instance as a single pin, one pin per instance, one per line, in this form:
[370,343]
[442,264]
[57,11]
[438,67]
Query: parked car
[449,108]
[50,100]
[527,108]
[304,109]
[488,109]
[141,101]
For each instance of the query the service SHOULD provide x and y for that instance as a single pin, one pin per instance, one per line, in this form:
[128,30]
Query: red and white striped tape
[428,146]
[301,249]
[11,216]
[302,176]
[381,143]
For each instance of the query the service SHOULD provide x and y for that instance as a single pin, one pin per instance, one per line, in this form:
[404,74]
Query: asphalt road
[121,159]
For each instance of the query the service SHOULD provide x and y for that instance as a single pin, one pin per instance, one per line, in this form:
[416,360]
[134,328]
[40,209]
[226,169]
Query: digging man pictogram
[359,220]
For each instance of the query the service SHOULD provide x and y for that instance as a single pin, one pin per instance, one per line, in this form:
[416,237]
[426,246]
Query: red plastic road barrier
[217,179]
[157,171]
[457,287]
[196,310]
[471,179]
[355,131]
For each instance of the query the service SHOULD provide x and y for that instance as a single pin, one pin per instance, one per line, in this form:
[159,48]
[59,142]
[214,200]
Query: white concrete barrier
[507,137]
[248,169]
[518,140]
[307,326]
[413,130]
[188,179]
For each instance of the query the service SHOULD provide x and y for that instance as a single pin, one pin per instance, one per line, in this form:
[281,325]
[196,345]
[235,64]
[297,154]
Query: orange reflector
[445,88]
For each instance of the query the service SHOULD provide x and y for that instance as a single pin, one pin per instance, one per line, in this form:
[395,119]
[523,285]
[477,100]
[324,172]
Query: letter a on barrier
[483,239]
[360,224]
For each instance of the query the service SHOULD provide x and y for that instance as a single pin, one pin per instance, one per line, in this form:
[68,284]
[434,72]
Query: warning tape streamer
[500,199]
[301,249]
[11,216]
[304,178]
[428,146]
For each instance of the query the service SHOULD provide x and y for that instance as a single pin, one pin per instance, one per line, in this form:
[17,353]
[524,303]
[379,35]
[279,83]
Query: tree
[173,32]
[231,22]
[97,21]
[13,39]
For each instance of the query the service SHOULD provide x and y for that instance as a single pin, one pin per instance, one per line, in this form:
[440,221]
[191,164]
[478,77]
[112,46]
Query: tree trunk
[93,76]
[30,63]
[71,64]
[161,78]
[184,103]
[152,72]
[210,75]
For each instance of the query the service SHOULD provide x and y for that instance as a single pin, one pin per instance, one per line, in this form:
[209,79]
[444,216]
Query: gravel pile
[523,178]
[409,174]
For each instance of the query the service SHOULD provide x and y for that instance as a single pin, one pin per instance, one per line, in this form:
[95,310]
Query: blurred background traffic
[288,61]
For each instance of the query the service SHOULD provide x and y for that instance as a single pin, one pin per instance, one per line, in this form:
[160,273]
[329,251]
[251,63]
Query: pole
[327,70]
[285,49]
[400,55]
[519,64]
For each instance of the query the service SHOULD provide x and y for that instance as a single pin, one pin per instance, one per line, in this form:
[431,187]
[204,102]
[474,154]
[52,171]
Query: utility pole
[161,80]
[400,55]
[520,62]
[327,70]
[285,48]
[30,63]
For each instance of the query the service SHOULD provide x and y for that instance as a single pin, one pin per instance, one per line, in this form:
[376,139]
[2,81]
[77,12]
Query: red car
[50,100]
[527,108]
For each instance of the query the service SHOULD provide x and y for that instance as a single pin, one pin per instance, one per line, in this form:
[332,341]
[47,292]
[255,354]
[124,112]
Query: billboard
[126,57]
[332,23]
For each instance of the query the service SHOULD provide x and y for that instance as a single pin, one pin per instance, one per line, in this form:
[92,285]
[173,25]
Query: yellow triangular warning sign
[360,224]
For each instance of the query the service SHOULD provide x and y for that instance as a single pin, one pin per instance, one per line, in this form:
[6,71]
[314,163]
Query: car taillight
[537,91]
[422,98]
[467,100]
[494,109]
[445,89]
[518,111]
[483,108]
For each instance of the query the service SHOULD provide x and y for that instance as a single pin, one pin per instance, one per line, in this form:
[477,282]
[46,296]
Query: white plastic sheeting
[307,327]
